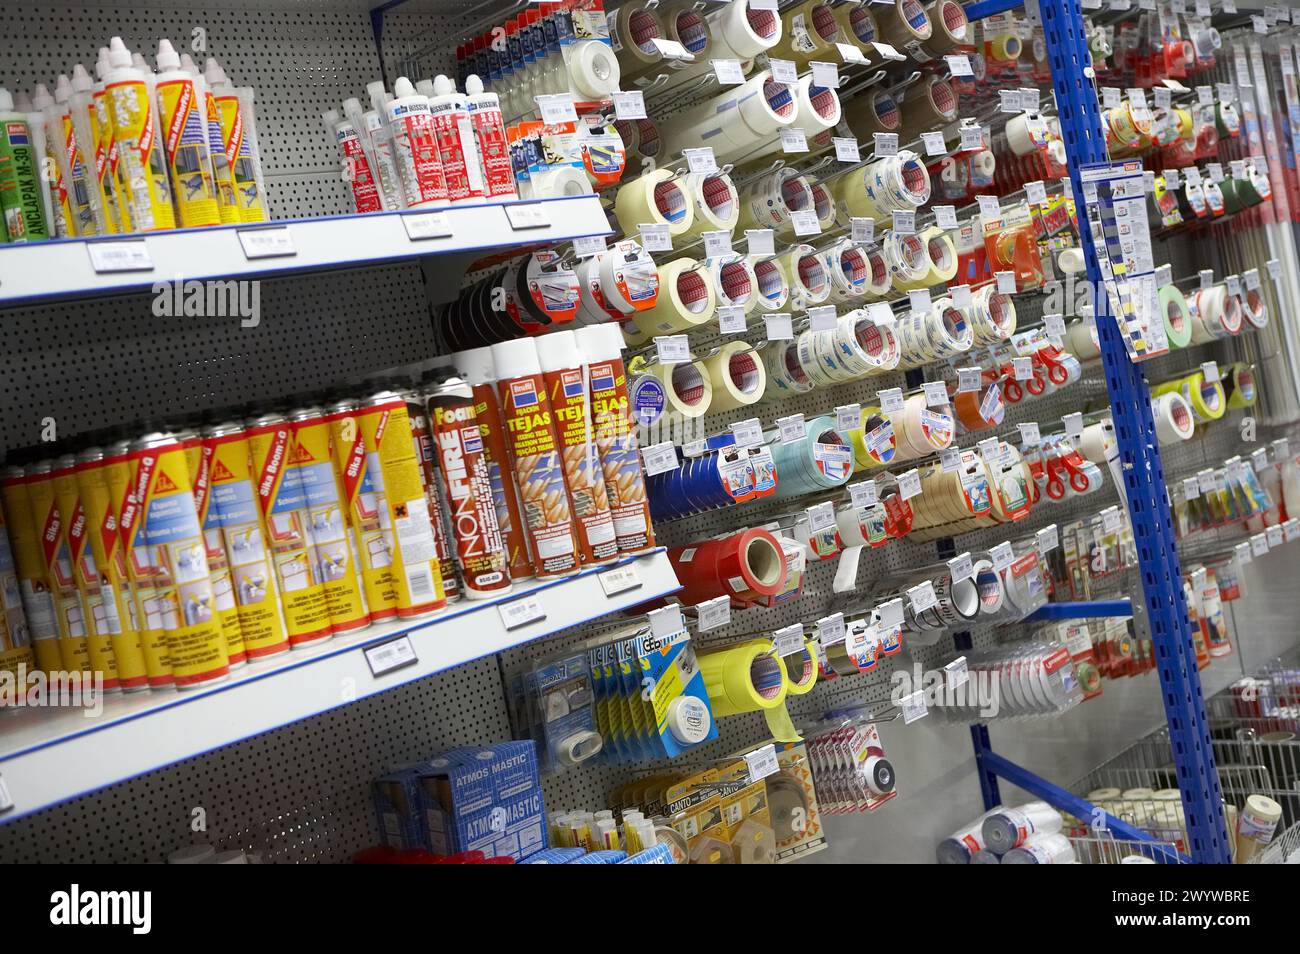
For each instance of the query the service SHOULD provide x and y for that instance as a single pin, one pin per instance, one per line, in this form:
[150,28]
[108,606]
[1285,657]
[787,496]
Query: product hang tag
[1047,539]
[666,624]
[805,222]
[701,159]
[959,64]
[846,150]
[904,223]
[956,673]
[731,319]
[1274,534]
[1111,520]
[822,318]
[556,108]
[793,140]
[851,54]
[922,596]
[961,295]
[862,230]
[934,144]
[672,349]
[1036,192]
[1259,459]
[968,379]
[1111,97]
[825,74]
[1029,434]
[1002,556]
[1164,275]
[1191,488]
[949,459]
[629,104]
[1206,276]
[945,216]
[1234,285]
[886,51]
[1022,368]
[783,71]
[909,484]
[713,614]
[1259,545]
[655,237]
[747,433]
[821,516]
[1210,372]
[1073,424]
[891,614]
[886,144]
[659,458]
[1172,179]
[1009,101]
[863,494]
[760,241]
[936,393]
[728,72]
[1006,282]
[918,300]
[779,327]
[972,138]
[792,429]
[1243,554]
[848,417]
[989,208]
[671,49]
[961,568]
[1054,325]
[1251,279]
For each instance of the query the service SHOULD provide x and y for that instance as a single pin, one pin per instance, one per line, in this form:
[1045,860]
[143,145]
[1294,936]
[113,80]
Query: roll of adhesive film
[773,289]
[871,112]
[878,278]
[938,334]
[992,316]
[1253,308]
[633,29]
[884,186]
[741,31]
[822,460]
[785,375]
[949,28]
[847,267]
[594,72]
[1178,320]
[559,181]
[687,389]
[874,443]
[931,104]
[1009,828]
[686,300]
[906,258]
[745,566]
[736,375]
[980,409]
[715,201]
[770,200]
[801,669]
[806,276]
[905,25]
[1173,416]
[920,430]
[656,198]
[1240,386]
[824,205]
[737,123]
[746,677]
[864,347]
[989,583]
[733,281]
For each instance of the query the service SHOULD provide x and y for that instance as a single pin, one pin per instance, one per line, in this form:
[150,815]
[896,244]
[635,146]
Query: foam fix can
[386,429]
[150,611]
[283,505]
[368,519]
[74,655]
[312,465]
[198,458]
[168,525]
[233,507]
[566,386]
[99,618]
[15,638]
[33,585]
[139,153]
[114,580]
[534,448]
[439,512]
[463,474]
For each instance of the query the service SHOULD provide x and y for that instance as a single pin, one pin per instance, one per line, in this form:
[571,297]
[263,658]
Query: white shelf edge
[42,272]
[51,756]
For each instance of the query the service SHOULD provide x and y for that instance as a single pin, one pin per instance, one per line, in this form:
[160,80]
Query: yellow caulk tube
[183,126]
[239,139]
[141,164]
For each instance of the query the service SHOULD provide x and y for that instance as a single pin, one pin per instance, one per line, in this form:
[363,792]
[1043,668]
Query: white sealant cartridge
[415,147]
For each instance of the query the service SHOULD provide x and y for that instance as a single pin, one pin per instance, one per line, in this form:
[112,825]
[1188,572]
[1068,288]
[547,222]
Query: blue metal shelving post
[1144,481]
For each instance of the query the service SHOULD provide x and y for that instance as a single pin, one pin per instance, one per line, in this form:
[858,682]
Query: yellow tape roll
[686,301]
[746,677]
[656,198]
[801,669]
[736,376]
[1241,386]
[873,443]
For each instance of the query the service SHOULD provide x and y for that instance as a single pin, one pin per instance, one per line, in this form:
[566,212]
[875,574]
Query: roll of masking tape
[921,430]
[878,278]
[773,289]
[715,200]
[687,389]
[824,205]
[736,375]
[656,198]
[770,201]
[733,281]
[746,677]
[1178,319]
[633,30]
[1173,416]
[897,183]
[742,31]
[686,300]
[873,441]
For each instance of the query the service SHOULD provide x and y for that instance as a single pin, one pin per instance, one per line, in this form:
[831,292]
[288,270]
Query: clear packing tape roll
[896,183]
[855,348]
[805,274]
[770,201]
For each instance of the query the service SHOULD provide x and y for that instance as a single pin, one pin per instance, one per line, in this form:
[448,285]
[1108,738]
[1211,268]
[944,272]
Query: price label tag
[1237,167]
[1274,534]
[387,657]
[667,625]
[851,54]
[793,139]
[1259,23]
[1054,325]
[848,417]
[1281,450]
[825,74]
[959,65]
[846,150]
[1191,488]
[1215,171]
[519,613]
[659,458]
[830,629]
[1206,277]
[1227,93]
[1242,551]
[956,672]
[949,459]
[886,144]
[1047,539]
[1205,95]
[430,225]
[805,222]
[1162,96]
[891,614]
[961,297]
[557,108]
[779,326]
[1009,100]
[961,568]
[1073,425]
[731,319]
[792,428]
[1111,97]
[904,222]
[788,640]
[1259,544]
[972,138]
[1251,279]
[119,255]
[909,484]
[821,517]
[945,216]
[762,763]
[1172,179]
[1202,8]
[701,159]
[1210,372]
[918,300]
[1022,368]
[887,51]
[532,215]
[655,238]
[629,104]
[1274,269]
[1164,274]
[1111,520]
[968,379]
[671,49]
[989,208]
[822,317]
[1036,192]
[934,144]
[936,393]
[728,72]
[1259,459]
[713,614]
[1006,282]
[1029,434]
[584,247]
[881,313]
[1206,480]
[862,231]
[1002,556]
[914,707]
[673,349]
[1234,285]
[1291,529]
[619,580]
[990,449]
[863,494]
[783,71]
[922,596]
[760,241]
[717,244]
[748,433]
[891,400]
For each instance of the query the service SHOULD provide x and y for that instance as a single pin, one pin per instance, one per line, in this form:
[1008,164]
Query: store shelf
[1092,609]
[49,756]
[72,268]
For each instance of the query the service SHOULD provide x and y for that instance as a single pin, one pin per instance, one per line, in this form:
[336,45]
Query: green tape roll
[1178,320]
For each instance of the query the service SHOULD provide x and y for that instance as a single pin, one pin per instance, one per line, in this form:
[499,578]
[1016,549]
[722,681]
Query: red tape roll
[744,566]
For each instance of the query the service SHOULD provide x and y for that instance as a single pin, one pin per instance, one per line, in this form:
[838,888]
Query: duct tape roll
[847,266]
[1081,338]
[785,375]
[895,183]
[921,430]
[773,289]
[1240,386]
[872,112]
[657,198]
[949,28]
[687,389]
[801,669]
[1254,309]
[736,375]
[1178,320]
[824,205]
[1173,416]
[992,316]
[806,276]
[931,104]
[905,25]
[769,201]
[822,460]
[594,72]
[746,677]
[874,443]
[633,28]
[715,200]
[733,281]
[686,300]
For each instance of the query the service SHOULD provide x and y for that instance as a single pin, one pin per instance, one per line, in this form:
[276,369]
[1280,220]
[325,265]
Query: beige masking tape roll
[907,259]
[687,389]
[715,200]
[878,278]
[746,677]
[686,300]
[949,28]
[870,112]
[824,205]
[737,376]
[941,259]
[656,198]
[895,183]
[1081,340]
[633,29]
[1173,416]
[921,430]
[848,268]
[773,289]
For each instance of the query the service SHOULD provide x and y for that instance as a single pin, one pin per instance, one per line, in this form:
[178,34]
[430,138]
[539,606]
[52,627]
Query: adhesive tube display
[422,440]
[457,146]
[182,125]
[223,176]
[884,186]
[415,147]
[745,566]
[656,198]
[737,376]
[15,640]
[33,588]
[377,140]
[21,202]
[138,142]
[484,110]
[356,165]
[65,140]
[1173,416]
[89,137]
[44,122]
[686,300]
[73,654]
[821,460]
[239,136]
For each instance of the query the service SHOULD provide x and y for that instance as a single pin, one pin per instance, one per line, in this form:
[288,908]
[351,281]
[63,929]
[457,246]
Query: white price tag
[1111,97]
[1274,269]
[1054,325]
[1002,556]
[713,614]
[961,297]
[821,517]
[1259,544]
[949,459]
[629,104]
[671,49]
[822,317]
[728,72]
[968,379]
[959,64]
[1260,24]
[731,319]
[989,208]
[779,326]
[532,215]
[904,222]
[956,672]
[584,247]
[1164,275]
[518,613]
[1215,171]
[1036,192]
[701,159]
[1191,488]
[830,629]
[1111,521]
[783,71]
[848,417]
[1172,179]
[1009,100]
[1274,534]
[825,74]
[793,428]
[793,139]
[961,568]
[914,707]
[1206,479]
[918,300]
[909,484]
[1251,279]
[936,393]
[1259,459]
[1234,285]
[1205,95]
[1206,277]
[805,222]
[945,216]
[1022,368]
[886,144]
[748,433]
[1006,282]
[846,150]
[387,657]
[1073,423]
[891,400]
[673,349]
[667,624]
[1281,449]
[1047,539]
[760,241]
[717,243]
[557,108]
[762,762]
[972,138]
[619,580]
[934,144]
[1291,529]
[1210,372]
[922,596]
[430,225]
[119,255]
[863,494]
[891,614]
[1242,551]
[788,640]
[887,51]
[862,231]
[659,458]
[1029,434]
[655,238]
[851,54]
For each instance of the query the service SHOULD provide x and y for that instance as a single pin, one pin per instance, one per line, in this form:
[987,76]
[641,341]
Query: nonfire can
[439,513]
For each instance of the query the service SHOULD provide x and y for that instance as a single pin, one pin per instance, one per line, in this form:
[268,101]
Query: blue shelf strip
[1082,610]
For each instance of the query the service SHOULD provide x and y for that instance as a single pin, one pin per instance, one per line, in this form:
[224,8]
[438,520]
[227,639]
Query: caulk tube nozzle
[167,58]
[119,57]
[473,85]
[40,98]
[403,88]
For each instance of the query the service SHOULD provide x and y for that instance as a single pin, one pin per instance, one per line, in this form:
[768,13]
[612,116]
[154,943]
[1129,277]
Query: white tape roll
[594,73]
[1097,440]
[824,205]
[737,122]
[1021,136]
[1174,418]
[1071,261]
[806,276]
[878,278]
[629,281]
[848,269]
[1081,339]
[941,333]
[656,198]
[906,258]
[715,200]
[769,201]
[941,259]
[556,182]
[785,375]
[733,281]
[686,301]
[816,107]
[740,31]
[736,375]
[687,388]
[992,315]
[773,289]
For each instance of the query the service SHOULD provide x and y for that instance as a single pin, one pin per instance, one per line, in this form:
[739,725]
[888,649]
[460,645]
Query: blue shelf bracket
[1144,482]
[1093,609]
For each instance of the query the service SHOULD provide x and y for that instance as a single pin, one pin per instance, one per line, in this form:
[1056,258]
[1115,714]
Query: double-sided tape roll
[737,376]
[773,289]
[657,198]
[715,200]
[806,276]
[992,316]
[822,460]
[687,388]
[1240,386]
[921,430]
[1177,317]
[785,375]
[1173,417]
[898,183]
